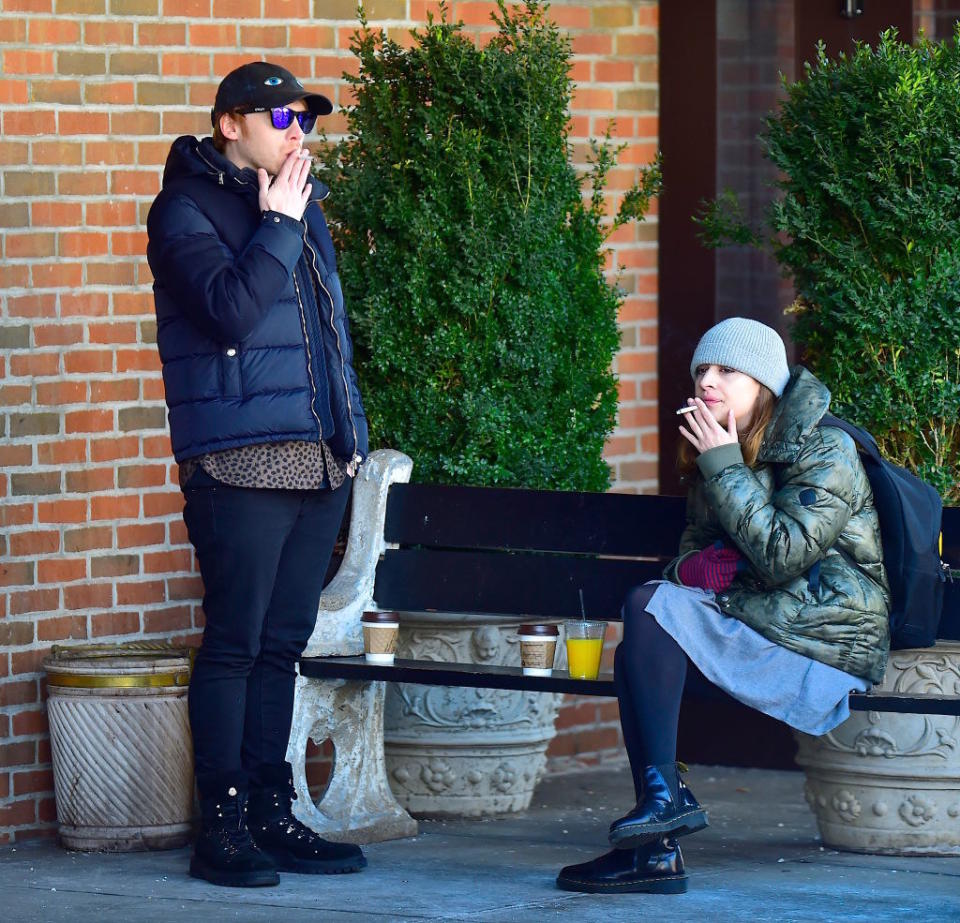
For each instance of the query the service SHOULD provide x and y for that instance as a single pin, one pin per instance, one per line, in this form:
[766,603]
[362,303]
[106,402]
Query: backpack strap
[865,442]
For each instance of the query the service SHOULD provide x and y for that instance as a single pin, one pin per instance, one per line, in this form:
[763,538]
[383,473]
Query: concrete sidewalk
[759,861]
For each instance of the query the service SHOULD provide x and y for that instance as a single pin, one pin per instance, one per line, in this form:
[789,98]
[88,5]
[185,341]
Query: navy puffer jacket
[251,326]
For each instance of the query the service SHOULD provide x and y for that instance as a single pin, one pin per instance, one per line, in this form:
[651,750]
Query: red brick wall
[937,18]
[92,94]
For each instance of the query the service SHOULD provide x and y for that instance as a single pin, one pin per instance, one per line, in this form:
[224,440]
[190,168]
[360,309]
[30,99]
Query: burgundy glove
[711,569]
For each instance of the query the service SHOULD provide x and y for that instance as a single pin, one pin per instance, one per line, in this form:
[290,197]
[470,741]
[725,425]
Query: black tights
[649,671]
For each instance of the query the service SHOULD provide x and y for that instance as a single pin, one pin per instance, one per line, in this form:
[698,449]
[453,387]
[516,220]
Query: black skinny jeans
[263,556]
[649,671]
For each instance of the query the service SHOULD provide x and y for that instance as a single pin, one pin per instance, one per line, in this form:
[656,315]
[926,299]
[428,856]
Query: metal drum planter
[122,754]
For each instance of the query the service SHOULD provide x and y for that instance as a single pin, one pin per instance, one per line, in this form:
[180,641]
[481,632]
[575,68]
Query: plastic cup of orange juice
[584,646]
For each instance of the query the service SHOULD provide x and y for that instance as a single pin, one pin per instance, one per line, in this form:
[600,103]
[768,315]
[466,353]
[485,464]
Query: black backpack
[910,511]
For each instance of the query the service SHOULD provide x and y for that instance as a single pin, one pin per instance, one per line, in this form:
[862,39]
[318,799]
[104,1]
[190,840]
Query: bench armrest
[338,632]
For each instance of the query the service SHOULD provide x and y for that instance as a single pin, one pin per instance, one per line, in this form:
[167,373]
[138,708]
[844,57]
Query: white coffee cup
[538,647]
[380,631]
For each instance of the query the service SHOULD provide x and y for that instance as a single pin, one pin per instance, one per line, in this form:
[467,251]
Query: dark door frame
[686,270]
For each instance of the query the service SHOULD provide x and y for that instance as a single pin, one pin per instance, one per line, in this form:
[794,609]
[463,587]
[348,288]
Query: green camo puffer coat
[804,519]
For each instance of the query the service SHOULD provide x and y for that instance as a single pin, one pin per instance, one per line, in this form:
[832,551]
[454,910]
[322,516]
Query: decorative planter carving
[889,783]
[465,752]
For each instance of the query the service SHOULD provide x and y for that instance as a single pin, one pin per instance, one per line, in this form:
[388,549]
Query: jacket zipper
[354,462]
[306,337]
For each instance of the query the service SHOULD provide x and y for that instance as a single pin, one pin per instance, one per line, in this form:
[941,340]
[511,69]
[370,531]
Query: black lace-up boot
[224,854]
[666,808]
[655,868]
[291,845]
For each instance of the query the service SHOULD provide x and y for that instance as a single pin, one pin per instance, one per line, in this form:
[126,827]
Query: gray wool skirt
[806,694]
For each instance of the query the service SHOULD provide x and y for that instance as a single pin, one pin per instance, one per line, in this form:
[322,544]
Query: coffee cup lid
[547,631]
[376,617]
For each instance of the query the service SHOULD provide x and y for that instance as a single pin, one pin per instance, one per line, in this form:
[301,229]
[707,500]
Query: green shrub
[868,226]
[471,262]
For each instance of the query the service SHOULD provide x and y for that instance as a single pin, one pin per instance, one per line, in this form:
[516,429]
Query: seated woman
[779,595]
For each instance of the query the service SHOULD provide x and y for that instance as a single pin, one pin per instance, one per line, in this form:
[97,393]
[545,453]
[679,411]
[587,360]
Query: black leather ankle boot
[224,854]
[655,868]
[293,846]
[667,807]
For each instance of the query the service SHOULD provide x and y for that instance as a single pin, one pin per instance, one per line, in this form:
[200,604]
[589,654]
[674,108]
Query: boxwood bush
[472,253]
[867,224]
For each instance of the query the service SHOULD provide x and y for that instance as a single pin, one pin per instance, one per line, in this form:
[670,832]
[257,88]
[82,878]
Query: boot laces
[234,833]
[290,826]
[283,818]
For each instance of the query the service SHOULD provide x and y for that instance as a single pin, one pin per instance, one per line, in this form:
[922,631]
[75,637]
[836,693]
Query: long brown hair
[750,439]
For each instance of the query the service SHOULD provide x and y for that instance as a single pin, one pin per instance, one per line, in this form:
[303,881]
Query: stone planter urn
[465,752]
[890,783]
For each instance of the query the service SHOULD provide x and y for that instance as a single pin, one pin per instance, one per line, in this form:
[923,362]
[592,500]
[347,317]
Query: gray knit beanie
[747,346]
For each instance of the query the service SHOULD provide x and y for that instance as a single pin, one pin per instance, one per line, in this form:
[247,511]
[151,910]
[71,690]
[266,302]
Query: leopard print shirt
[279,465]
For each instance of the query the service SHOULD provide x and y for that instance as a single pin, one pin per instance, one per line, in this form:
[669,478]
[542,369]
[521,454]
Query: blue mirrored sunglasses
[282,117]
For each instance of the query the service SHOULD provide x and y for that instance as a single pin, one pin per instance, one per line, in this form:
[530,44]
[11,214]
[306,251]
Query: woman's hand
[714,568]
[705,432]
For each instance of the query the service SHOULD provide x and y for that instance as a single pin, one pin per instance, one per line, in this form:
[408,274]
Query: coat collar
[190,156]
[801,407]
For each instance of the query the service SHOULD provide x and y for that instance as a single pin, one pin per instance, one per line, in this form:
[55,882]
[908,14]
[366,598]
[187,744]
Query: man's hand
[289,192]
[705,433]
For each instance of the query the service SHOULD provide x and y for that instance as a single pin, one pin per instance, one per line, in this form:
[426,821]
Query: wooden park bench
[508,552]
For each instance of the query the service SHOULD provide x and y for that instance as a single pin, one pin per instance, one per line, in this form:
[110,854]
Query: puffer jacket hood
[191,156]
[804,519]
[251,326]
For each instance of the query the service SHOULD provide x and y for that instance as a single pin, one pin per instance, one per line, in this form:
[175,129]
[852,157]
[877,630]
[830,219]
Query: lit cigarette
[689,409]
[305,154]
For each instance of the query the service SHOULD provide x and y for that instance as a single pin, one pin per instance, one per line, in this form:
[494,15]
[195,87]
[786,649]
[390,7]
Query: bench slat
[431,673]
[545,586]
[628,525]
[905,704]
[484,676]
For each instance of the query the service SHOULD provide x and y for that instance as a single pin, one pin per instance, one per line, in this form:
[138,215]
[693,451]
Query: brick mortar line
[112,553]
[85,46]
[164,489]
[20,291]
[84,376]
[145,608]
[96,319]
[112,491]
[153,137]
[86,613]
[140,519]
[109,77]
[63,528]
[132,550]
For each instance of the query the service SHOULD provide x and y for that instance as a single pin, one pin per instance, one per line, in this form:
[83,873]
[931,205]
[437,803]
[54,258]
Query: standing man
[268,429]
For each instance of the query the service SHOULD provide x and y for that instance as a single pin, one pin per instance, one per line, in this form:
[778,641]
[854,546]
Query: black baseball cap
[260,86]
